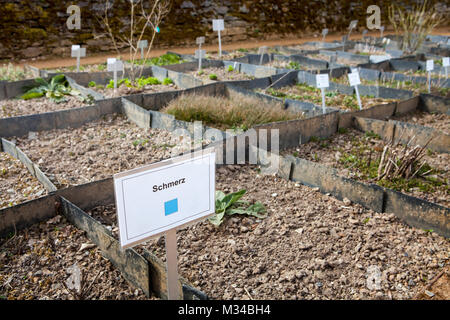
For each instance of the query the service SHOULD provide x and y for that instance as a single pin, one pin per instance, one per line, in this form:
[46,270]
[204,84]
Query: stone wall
[37,28]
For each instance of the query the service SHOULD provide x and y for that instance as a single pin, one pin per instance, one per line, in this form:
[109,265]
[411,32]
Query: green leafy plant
[142,82]
[92,84]
[55,90]
[230,69]
[213,76]
[167,81]
[230,204]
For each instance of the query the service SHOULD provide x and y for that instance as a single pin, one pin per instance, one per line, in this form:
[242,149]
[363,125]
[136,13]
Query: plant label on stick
[322,82]
[262,51]
[354,80]
[218,25]
[381,31]
[446,64]
[78,52]
[200,54]
[200,41]
[142,45]
[429,67]
[162,197]
[324,34]
[114,65]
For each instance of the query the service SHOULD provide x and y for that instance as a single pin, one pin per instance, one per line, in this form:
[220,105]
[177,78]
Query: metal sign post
[159,198]
[354,80]
[218,25]
[262,51]
[430,67]
[324,34]
[114,66]
[322,82]
[446,64]
[78,52]
[381,31]
[142,45]
[200,54]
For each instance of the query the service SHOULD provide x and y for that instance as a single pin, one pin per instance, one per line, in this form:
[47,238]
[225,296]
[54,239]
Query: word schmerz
[164,186]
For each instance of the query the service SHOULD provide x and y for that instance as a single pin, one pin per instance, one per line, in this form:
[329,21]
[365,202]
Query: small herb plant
[55,90]
[213,76]
[230,69]
[230,204]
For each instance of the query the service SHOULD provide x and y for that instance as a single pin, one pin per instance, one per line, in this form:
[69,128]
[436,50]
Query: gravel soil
[286,65]
[18,107]
[221,73]
[96,150]
[125,91]
[36,263]
[434,120]
[99,67]
[17,185]
[332,151]
[307,93]
[438,288]
[311,246]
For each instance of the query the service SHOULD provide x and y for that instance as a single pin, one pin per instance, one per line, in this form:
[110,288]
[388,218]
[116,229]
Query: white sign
[200,40]
[142,44]
[218,25]
[200,54]
[353,24]
[163,196]
[446,62]
[77,51]
[324,32]
[430,65]
[322,80]
[354,79]
[114,65]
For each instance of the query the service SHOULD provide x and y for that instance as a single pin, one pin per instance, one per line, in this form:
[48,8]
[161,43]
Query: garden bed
[311,246]
[238,111]
[304,92]
[125,88]
[96,150]
[17,185]
[9,72]
[433,120]
[357,155]
[209,75]
[99,67]
[20,107]
[36,262]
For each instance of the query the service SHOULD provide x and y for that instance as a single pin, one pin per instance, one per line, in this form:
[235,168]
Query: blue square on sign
[170,207]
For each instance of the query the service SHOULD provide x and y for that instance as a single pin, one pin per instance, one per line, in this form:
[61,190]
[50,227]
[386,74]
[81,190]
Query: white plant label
[322,81]
[78,52]
[446,62]
[353,24]
[114,65]
[324,32]
[218,25]
[158,197]
[200,40]
[142,45]
[354,79]
[200,54]
[430,65]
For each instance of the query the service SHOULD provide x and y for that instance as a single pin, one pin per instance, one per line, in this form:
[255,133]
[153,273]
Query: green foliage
[213,76]
[11,73]
[230,69]
[342,130]
[164,60]
[294,65]
[142,82]
[92,84]
[167,81]
[242,50]
[201,72]
[55,90]
[371,134]
[230,204]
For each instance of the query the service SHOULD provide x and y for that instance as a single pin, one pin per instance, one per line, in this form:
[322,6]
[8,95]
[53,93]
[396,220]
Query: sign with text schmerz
[153,199]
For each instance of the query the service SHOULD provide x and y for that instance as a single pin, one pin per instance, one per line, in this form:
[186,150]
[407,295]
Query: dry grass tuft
[236,112]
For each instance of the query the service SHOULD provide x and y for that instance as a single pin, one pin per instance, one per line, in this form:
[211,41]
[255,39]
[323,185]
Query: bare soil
[438,288]
[97,150]
[333,151]
[222,75]
[434,120]
[307,93]
[17,185]
[125,91]
[19,107]
[311,246]
[35,263]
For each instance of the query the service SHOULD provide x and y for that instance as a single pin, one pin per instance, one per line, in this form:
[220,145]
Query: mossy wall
[37,28]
